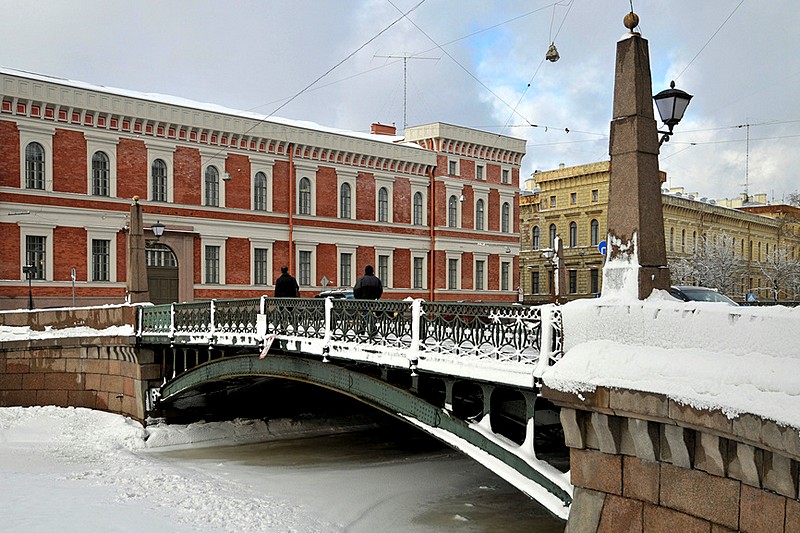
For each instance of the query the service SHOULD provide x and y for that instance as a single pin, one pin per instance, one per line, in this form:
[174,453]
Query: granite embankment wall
[76,364]
[641,462]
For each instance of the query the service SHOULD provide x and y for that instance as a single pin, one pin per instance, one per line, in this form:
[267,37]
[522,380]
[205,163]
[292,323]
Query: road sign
[601,247]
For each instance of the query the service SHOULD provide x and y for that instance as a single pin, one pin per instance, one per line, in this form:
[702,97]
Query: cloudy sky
[476,63]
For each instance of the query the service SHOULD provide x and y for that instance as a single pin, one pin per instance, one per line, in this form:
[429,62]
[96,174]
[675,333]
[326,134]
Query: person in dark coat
[286,286]
[368,286]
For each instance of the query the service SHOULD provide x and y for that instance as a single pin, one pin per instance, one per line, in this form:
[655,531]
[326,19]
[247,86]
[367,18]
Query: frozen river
[76,470]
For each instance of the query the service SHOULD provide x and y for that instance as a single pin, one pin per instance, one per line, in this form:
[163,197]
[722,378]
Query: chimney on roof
[381,129]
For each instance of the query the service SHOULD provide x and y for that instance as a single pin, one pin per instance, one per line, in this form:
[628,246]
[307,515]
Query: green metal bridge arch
[531,477]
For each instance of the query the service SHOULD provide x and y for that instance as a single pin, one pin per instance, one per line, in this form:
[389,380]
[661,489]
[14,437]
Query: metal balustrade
[507,343]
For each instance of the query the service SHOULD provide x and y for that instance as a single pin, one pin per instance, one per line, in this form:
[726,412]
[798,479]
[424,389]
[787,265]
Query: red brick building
[240,195]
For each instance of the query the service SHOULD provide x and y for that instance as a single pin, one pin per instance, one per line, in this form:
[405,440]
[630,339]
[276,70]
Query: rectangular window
[552,201]
[452,168]
[573,198]
[594,195]
[505,269]
[479,172]
[479,272]
[418,273]
[573,281]
[594,276]
[212,264]
[383,269]
[452,273]
[506,176]
[304,275]
[346,270]
[535,284]
[35,255]
[260,273]
[101,250]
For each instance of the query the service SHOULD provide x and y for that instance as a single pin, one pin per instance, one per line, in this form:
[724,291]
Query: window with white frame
[452,167]
[261,273]
[36,255]
[480,214]
[383,205]
[594,232]
[101,259]
[419,272]
[304,268]
[505,275]
[345,201]
[505,176]
[212,262]
[34,166]
[304,197]
[345,269]
[505,218]
[480,274]
[417,209]
[158,181]
[383,269]
[260,192]
[573,234]
[452,212]
[211,186]
[479,172]
[101,174]
[453,273]
[536,238]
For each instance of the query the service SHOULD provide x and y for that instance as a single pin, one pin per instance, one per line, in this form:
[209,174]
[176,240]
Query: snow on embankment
[706,355]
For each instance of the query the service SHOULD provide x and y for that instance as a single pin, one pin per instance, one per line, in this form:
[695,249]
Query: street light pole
[30,271]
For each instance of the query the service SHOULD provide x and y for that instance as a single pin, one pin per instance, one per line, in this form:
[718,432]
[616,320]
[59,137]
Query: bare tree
[713,264]
[794,198]
[781,272]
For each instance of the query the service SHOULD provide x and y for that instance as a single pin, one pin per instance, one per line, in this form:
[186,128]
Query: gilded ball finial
[631,20]
[136,199]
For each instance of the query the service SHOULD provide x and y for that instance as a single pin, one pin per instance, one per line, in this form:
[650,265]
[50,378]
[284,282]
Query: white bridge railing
[504,343]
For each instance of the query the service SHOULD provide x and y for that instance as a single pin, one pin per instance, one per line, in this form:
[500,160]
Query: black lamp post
[158,229]
[30,271]
[671,104]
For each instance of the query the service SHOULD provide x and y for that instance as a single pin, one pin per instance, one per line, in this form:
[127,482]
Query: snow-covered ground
[78,470]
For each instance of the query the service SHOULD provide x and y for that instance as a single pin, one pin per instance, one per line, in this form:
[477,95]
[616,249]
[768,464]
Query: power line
[405,59]
[710,39]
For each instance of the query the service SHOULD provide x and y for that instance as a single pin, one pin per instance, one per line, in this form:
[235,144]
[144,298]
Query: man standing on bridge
[286,286]
[368,286]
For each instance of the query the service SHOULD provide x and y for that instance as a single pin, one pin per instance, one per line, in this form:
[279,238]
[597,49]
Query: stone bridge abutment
[641,462]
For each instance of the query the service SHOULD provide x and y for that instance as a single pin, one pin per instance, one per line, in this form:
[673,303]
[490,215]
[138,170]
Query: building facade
[571,202]
[240,195]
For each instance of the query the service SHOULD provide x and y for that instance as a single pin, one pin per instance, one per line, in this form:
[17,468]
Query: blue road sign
[601,247]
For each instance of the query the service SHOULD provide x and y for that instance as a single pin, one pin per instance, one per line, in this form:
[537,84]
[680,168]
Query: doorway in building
[162,273]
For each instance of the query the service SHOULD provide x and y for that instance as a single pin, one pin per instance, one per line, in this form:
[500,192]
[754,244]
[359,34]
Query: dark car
[690,293]
[336,293]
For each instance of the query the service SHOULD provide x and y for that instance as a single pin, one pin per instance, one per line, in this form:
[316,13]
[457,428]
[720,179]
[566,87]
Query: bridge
[466,373]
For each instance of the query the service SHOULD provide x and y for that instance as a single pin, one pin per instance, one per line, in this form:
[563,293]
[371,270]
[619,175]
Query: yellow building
[571,202]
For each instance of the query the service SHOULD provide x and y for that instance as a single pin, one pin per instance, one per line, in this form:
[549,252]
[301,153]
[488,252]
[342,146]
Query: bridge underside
[463,415]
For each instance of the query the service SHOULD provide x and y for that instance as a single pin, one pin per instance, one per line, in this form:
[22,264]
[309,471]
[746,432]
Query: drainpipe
[291,208]
[432,222]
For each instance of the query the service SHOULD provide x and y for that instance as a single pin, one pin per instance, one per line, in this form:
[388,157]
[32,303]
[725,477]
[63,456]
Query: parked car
[336,293]
[690,293]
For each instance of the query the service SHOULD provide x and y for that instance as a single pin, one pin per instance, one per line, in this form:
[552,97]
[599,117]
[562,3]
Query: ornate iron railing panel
[506,333]
[236,317]
[295,317]
[193,318]
[379,323]
[157,320]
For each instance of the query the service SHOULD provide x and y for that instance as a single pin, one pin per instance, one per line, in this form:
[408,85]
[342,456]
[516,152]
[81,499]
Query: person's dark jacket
[286,286]
[368,287]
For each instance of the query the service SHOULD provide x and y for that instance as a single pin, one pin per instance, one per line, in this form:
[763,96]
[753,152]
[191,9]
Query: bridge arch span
[537,479]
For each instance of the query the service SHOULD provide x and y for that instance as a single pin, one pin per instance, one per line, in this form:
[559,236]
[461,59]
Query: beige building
[571,202]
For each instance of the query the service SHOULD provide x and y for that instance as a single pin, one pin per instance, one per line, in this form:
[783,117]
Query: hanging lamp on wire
[552,53]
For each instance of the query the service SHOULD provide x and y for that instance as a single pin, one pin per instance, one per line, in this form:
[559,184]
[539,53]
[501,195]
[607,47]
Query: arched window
[594,232]
[304,196]
[260,192]
[158,171]
[552,236]
[573,234]
[671,239]
[536,243]
[212,186]
[383,205]
[683,241]
[34,166]
[452,211]
[479,214]
[344,200]
[505,218]
[418,208]
[101,181]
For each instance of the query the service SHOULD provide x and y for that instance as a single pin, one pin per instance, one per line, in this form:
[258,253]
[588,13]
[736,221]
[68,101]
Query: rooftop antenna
[746,161]
[405,58]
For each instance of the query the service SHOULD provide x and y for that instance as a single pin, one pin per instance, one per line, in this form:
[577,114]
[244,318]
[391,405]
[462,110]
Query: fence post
[212,327]
[416,334]
[546,342]
[172,321]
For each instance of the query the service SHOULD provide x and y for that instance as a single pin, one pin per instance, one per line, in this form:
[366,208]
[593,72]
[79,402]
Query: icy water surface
[391,478]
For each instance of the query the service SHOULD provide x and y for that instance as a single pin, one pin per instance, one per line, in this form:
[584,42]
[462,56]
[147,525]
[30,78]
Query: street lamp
[671,104]
[158,229]
[30,271]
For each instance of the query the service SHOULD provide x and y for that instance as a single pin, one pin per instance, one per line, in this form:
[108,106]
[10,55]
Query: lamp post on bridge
[635,219]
